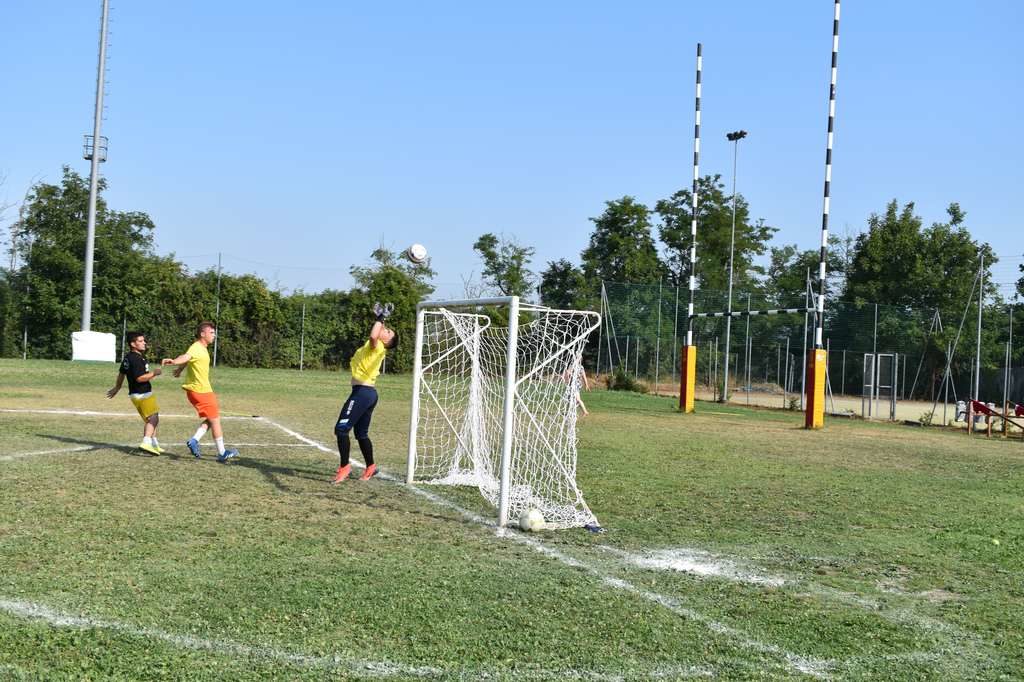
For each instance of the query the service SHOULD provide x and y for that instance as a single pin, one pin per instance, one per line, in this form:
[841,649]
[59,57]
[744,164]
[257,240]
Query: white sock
[200,432]
[148,441]
[220,445]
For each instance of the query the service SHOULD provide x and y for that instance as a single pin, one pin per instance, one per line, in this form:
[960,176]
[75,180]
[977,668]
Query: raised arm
[382,312]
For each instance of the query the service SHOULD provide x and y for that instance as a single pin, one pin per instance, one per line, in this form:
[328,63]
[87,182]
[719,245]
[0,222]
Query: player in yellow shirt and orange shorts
[199,391]
[358,409]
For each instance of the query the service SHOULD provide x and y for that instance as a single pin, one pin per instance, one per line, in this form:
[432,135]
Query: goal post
[496,386]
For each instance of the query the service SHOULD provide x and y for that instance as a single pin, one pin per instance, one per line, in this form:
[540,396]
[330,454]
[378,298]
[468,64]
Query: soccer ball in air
[531,521]
[417,253]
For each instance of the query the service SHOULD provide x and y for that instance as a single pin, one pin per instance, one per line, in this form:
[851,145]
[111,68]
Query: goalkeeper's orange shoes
[370,472]
[343,474]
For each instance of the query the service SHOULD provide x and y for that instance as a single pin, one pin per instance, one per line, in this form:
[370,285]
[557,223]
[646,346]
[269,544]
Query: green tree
[897,262]
[562,286]
[621,247]
[506,265]
[714,228]
[785,278]
[8,315]
[50,245]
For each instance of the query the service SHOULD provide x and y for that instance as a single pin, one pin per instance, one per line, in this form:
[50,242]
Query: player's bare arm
[117,386]
[180,360]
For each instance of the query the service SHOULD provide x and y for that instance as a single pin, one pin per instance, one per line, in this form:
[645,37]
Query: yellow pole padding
[817,361]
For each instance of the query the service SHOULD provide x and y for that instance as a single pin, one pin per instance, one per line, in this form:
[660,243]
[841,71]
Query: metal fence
[645,325]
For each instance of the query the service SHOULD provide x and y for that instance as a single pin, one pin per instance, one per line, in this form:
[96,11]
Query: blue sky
[296,139]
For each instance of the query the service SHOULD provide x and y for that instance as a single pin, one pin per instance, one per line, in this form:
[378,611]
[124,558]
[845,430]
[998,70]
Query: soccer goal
[495,389]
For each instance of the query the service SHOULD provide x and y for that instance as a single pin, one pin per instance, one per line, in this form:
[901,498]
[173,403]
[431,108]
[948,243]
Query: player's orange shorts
[205,404]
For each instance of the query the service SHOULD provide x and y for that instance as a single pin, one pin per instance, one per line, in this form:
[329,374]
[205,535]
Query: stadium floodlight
[494,404]
[95,156]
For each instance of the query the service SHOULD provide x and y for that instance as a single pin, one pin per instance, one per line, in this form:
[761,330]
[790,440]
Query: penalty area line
[809,666]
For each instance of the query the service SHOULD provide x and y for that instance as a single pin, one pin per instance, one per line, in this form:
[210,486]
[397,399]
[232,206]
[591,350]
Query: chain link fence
[874,349]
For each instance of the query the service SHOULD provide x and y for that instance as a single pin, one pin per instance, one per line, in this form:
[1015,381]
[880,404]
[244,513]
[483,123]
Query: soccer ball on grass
[531,521]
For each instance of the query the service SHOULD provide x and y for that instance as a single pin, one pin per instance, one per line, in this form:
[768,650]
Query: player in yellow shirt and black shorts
[358,409]
[199,391]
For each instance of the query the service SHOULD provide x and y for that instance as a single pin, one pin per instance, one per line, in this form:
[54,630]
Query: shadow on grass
[369,494]
[274,472]
[132,450]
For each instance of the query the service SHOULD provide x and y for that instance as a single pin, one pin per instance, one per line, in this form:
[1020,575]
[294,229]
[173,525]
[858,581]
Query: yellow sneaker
[151,449]
[160,449]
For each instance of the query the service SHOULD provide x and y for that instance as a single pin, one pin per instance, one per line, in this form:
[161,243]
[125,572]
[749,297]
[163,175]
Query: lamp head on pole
[736,136]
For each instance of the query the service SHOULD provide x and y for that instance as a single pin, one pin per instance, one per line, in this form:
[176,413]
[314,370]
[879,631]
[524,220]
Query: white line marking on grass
[272,445]
[809,666]
[298,436]
[57,619]
[697,562]
[59,451]
[20,455]
[360,668]
[96,413]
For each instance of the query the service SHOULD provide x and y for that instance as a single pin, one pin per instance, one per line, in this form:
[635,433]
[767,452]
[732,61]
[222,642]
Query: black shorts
[357,412]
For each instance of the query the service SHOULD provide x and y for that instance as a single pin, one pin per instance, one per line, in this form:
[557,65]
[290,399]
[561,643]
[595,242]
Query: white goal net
[495,400]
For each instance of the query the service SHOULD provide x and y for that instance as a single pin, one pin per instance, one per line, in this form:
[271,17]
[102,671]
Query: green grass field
[738,546]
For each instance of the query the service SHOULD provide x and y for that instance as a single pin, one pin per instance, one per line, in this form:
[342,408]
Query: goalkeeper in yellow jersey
[358,409]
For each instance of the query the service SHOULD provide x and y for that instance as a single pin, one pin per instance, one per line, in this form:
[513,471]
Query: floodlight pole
[735,138]
[216,314]
[94,174]
[981,303]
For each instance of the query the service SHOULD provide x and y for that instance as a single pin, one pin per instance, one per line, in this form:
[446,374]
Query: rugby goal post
[496,385]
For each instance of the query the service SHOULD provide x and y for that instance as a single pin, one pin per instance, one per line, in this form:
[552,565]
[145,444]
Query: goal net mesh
[462,397]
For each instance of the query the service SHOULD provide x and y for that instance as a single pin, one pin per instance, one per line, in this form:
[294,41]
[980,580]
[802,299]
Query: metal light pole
[981,305]
[95,154]
[216,314]
[735,138]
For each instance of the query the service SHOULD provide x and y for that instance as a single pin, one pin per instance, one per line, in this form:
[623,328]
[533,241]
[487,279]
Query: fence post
[746,350]
[785,380]
[874,334]
[625,367]
[302,337]
[675,330]
[842,388]
[657,347]
[803,373]
[715,384]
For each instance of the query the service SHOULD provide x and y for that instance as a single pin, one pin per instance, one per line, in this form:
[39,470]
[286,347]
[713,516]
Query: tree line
[896,260]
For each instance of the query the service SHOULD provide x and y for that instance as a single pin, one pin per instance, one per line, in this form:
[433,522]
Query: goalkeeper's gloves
[383,312]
